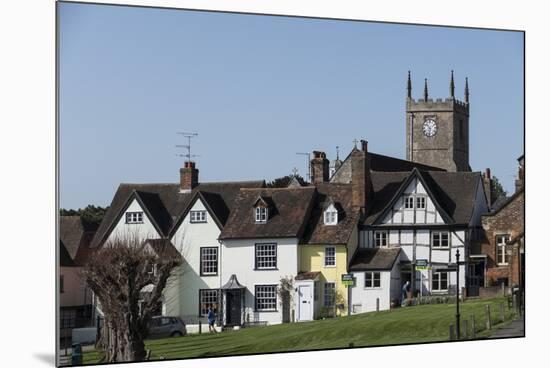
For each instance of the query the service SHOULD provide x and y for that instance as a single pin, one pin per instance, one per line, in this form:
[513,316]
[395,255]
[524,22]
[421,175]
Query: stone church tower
[438,130]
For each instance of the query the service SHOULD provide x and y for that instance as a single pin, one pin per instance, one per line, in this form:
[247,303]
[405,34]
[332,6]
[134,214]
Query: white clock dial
[429,128]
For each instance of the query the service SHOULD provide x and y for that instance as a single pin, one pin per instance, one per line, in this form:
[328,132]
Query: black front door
[233,310]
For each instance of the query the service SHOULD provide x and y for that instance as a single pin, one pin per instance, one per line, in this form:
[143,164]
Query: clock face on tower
[429,128]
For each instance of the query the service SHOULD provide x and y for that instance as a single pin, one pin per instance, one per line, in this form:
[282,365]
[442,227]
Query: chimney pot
[319,167]
[364,145]
[488,173]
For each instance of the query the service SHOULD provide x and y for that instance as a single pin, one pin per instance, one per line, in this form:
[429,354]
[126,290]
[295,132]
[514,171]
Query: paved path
[514,329]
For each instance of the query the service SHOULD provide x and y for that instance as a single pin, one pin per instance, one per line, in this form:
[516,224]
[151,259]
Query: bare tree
[128,276]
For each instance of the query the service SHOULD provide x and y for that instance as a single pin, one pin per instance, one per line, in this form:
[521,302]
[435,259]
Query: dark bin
[76,355]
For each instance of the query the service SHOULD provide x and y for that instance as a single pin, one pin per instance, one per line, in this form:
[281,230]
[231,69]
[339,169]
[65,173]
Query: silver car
[162,326]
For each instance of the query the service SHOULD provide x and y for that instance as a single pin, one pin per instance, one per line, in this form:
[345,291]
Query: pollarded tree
[128,277]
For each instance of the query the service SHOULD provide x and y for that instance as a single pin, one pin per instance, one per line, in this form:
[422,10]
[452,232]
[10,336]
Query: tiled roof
[166,204]
[307,275]
[455,192]
[374,259]
[287,215]
[319,233]
[75,235]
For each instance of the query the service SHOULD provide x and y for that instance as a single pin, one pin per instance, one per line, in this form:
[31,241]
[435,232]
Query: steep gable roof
[289,212]
[167,203]
[319,233]
[453,192]
[75,236]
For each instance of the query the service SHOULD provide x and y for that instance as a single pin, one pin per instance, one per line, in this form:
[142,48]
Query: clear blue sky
[258,89]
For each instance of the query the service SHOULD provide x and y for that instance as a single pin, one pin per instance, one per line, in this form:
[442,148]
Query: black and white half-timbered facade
[430,215]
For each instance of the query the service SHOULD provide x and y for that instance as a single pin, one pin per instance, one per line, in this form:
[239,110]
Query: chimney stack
[487,186]
[361,184]
[520,181]
[319,167]
[189,177]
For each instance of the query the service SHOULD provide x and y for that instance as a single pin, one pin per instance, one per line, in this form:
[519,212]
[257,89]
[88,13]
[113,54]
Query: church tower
[438,130]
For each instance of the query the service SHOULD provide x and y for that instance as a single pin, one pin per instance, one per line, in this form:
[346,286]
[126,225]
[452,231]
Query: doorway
[305,303]
[233,308]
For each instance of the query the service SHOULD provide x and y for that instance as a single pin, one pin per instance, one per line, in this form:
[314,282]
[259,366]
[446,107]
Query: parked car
[162,326]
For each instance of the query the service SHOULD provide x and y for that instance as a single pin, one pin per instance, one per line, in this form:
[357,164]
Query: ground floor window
[329,294]
[440,281]
[207,297]
[266,297]
[372,279]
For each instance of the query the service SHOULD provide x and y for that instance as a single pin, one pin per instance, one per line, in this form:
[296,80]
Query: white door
[305,305]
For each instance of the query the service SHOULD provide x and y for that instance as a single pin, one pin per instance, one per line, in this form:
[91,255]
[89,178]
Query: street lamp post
[457,294]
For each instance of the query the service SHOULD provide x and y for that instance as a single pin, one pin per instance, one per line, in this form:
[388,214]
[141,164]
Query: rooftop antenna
[337,153]
[187,135]
[308,175]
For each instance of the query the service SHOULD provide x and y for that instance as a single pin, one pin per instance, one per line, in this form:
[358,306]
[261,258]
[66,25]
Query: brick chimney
[189,177]
[361,183]
[487,186]
[319,167]
[520,180]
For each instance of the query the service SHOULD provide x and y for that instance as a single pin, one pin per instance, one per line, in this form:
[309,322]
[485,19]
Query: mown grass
[425,323]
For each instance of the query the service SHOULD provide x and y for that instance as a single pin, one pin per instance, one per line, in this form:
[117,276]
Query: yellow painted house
[324,254]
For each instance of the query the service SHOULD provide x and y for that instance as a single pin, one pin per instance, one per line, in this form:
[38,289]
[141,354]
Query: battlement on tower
[439,104]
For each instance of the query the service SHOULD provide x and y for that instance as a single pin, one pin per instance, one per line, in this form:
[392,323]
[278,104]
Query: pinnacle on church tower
[452,85]
[466,92]
[425,89]
[409,86]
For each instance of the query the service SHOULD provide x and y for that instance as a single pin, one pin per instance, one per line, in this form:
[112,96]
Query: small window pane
[329,294]
[330,256]
[266,256]
[207,298]
[209,261]
[266,297]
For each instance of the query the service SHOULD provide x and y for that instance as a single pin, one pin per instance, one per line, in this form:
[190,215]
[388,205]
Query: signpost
[348,279]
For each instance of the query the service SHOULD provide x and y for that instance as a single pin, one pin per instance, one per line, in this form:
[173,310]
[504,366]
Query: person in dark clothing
[406,288]
[211,316]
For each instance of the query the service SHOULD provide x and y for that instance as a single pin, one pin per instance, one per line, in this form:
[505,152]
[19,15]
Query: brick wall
[508,220]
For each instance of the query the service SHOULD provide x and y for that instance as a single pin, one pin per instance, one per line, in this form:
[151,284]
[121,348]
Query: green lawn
[403,325]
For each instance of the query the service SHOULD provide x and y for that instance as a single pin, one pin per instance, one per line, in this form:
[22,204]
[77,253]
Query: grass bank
[424,323]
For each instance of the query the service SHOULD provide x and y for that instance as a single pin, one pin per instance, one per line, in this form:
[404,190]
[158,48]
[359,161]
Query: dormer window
[331,215]
[261,214]
[261,210]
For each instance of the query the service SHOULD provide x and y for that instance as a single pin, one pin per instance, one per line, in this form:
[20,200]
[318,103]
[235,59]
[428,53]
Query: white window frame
[208,260]
[372,277]
[420,198]
[331,217]
[501,246]
[135,217]
[261,215]
[197,216]
[265,298]
[207,296]
[439,281]
[330,259]
[437,245]
[408,200]
[265,253]
[382,237]
[329,294]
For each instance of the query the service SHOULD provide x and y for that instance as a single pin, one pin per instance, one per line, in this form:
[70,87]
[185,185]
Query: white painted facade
[143,230]
[239,258]
[364,299]
[181,297]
